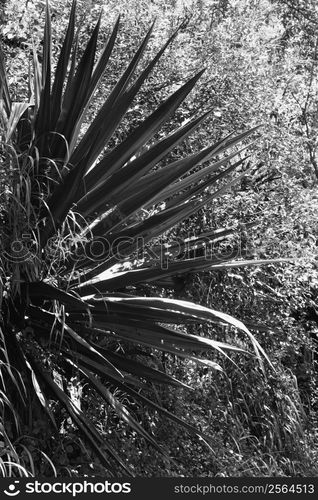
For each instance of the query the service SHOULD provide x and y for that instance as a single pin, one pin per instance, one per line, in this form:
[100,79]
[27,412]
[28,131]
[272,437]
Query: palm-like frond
[59,310]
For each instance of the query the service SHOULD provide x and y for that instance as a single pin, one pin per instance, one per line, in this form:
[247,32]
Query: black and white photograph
[159,248]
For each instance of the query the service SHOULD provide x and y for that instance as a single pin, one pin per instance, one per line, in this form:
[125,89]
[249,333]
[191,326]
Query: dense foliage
[261,67]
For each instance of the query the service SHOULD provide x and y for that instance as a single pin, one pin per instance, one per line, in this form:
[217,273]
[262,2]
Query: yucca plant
[76,218]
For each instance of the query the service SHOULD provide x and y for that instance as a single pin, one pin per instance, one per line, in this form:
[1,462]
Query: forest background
[261,68]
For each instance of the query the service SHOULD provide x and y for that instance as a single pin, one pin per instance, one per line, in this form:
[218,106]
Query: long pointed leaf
[16,112]
[96,77]
[43,119]
[4,89]
[61,68]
